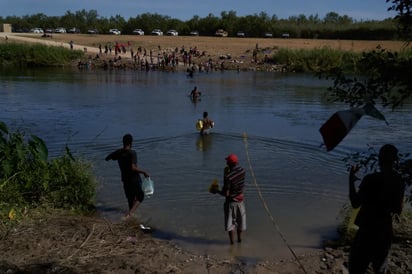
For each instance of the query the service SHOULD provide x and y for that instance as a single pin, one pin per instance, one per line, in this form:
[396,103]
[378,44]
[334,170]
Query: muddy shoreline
[64,242]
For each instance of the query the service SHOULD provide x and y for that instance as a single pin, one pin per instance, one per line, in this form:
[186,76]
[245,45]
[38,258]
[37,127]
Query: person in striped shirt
[234,206]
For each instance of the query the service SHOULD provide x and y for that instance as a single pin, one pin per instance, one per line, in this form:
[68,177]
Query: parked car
[172,32]
[221,33]
[48,30]
[194,33]
[60,30]
[241,34]
[268,35]
[36,30]
[285,35]
[93,31]
[138,32]
[73,30]
[157,32]
[115,31]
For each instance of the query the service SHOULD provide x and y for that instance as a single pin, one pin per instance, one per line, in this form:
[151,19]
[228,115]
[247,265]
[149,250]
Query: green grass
[29,179]
[316,60]
[35,55]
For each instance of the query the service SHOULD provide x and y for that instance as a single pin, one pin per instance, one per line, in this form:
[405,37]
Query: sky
[359,10]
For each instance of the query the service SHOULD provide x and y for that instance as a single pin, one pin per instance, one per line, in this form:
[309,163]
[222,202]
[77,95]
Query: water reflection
[204,142]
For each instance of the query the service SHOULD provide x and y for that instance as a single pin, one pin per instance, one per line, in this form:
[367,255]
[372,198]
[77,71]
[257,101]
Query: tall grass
[28,179]
[316,60]
[324,59]
[35,55]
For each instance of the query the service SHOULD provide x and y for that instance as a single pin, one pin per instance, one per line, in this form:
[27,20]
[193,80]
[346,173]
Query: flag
[338,126]
[370,110]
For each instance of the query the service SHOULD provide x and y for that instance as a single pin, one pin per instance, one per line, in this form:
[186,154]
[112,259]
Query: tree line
[332,26]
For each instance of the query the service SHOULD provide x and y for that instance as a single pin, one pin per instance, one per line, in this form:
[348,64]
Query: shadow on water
[192,240]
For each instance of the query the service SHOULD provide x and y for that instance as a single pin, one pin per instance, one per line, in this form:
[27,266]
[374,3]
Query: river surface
[270,120]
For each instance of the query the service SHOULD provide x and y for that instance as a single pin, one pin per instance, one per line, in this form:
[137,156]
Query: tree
[385,75]
[404,16]
[385,80]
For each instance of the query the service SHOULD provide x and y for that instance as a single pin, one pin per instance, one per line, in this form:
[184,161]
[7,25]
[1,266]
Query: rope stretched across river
[266,207]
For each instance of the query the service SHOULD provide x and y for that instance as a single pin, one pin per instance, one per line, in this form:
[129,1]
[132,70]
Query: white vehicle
[138,32]
[60,30]
[36,30]
[74,30]
[268,35]
[221,33]
[240,34]
[172,32]
[114,31]
[157,32]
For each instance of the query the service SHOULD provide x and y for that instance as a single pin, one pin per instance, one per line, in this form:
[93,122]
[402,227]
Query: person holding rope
[234,206]
[379,197]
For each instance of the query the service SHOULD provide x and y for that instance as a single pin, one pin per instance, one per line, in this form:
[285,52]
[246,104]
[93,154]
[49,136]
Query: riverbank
[63,242]
[206,53]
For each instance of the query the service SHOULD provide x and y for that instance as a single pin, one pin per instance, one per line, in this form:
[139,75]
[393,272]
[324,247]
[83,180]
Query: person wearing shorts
[126,157]
[234,206]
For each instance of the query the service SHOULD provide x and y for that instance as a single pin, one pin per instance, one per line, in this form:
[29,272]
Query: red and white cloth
[341,122]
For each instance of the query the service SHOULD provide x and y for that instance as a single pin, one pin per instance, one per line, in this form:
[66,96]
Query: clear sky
[186,9]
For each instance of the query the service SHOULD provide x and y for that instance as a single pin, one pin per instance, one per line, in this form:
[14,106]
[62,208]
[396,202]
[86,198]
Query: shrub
[29,179]
[36,55]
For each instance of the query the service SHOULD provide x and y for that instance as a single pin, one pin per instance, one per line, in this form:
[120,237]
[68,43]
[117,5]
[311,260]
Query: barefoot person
[380,195]
[234,206]
[130,173]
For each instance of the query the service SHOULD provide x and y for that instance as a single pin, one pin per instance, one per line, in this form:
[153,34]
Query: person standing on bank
[380,195]
[234,206]
[126,157]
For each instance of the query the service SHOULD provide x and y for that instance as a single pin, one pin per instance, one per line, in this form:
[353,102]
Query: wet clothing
[234,207]
[380,196]
[207,124]
[132,183]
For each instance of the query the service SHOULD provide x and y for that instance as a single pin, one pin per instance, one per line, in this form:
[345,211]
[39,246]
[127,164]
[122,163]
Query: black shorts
[133,191]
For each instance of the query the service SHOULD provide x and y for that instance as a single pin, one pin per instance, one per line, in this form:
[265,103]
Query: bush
[316,60]
[28,179]
[35,55]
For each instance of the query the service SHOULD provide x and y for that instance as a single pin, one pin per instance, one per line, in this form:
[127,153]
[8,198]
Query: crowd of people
[125,56]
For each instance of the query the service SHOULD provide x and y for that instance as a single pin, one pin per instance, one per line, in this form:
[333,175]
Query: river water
[270,120]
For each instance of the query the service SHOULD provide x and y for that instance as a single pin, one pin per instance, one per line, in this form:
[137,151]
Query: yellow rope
[265,205]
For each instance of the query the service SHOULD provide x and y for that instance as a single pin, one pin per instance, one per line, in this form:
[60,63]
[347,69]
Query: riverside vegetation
[35,55]
[29,179]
